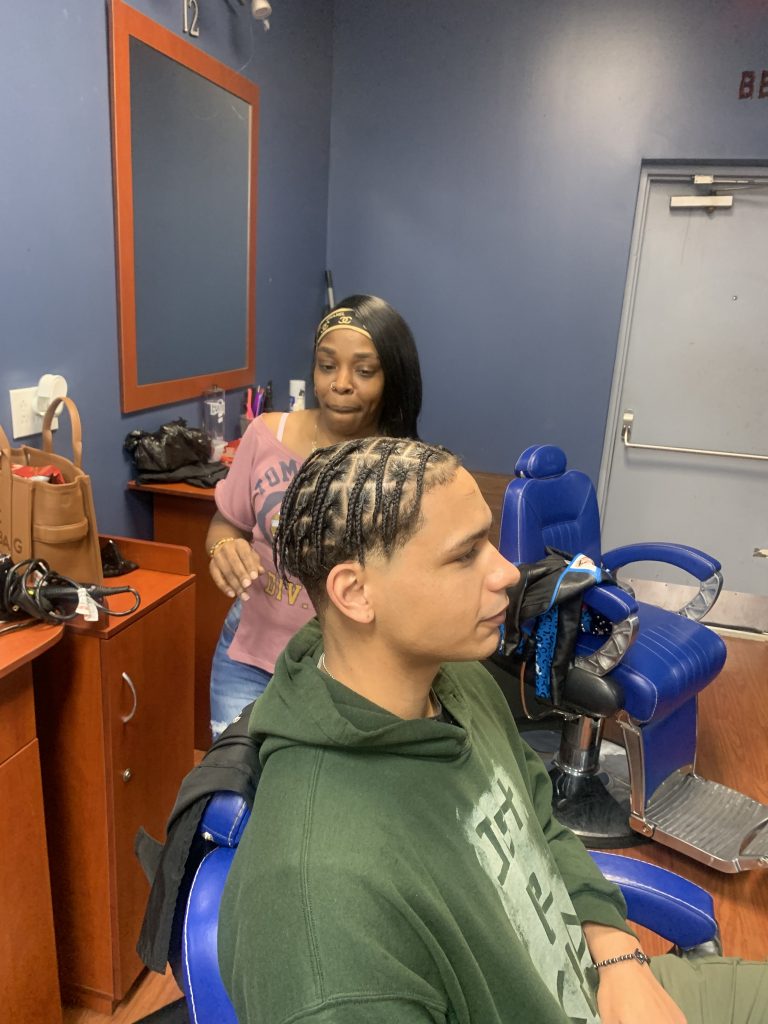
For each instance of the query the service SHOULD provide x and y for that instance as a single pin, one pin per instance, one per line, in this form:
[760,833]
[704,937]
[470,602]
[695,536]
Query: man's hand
[234,566]
[628,993]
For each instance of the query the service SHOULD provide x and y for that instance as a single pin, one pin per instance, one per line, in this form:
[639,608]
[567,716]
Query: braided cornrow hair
[355,499]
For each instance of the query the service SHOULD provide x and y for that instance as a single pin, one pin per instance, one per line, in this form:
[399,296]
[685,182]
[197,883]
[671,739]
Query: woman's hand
[233,564]
[628,993]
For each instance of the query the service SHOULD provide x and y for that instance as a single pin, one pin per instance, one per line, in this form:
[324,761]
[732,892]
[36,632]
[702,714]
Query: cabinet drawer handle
[132,712]
[126,775]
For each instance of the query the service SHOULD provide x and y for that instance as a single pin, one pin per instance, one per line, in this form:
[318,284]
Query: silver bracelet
[636,954]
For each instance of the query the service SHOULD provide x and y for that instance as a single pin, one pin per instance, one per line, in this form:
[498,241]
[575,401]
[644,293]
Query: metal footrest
[709,822]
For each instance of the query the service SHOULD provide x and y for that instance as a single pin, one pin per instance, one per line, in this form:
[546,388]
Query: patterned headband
[340,319]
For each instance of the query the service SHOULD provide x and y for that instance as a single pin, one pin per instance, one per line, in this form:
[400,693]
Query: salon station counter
[181,515]
[29,981]
[114,710]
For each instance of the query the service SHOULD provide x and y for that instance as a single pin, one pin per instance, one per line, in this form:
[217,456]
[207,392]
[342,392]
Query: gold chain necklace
[315,445]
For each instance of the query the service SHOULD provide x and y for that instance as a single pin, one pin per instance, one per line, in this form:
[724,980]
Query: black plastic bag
[169,448]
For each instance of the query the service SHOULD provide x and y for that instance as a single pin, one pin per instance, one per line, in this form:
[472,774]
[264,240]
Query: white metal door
[692,369]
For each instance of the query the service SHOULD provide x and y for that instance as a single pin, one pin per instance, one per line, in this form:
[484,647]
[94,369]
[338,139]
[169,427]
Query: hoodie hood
[303,706]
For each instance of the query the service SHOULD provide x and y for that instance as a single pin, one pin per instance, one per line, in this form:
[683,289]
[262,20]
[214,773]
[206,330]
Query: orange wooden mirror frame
[127,23]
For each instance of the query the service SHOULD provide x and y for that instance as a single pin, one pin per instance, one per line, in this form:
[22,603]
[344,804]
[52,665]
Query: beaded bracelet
[224,540]
[637,954]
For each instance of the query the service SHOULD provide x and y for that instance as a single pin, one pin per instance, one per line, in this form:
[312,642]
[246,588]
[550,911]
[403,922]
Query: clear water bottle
[214,409]
[296,390]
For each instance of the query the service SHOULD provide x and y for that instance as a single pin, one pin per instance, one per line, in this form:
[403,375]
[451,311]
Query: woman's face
[349,383]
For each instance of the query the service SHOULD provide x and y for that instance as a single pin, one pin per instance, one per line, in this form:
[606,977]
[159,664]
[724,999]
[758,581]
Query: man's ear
[346,589]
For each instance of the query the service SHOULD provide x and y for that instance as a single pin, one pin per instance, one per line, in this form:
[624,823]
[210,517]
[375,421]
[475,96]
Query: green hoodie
[401,871]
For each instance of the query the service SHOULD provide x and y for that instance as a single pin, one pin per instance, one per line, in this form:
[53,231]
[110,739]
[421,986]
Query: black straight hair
[393,340]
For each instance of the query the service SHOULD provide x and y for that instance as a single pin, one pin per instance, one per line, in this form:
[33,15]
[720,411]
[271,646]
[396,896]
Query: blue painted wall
[57,264]
[481,173]
[485,160]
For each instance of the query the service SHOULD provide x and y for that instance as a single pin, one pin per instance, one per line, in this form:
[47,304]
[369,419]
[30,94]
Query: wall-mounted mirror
[185,134]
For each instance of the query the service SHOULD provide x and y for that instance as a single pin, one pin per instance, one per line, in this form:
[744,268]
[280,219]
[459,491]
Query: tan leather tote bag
[54,522]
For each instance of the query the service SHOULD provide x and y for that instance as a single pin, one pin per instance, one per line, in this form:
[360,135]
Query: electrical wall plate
[26,421]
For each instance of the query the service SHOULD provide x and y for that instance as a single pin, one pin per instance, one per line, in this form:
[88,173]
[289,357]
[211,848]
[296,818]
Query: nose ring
[333,386]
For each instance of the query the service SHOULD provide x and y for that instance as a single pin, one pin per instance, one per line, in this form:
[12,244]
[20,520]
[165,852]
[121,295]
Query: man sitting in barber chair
[402,863]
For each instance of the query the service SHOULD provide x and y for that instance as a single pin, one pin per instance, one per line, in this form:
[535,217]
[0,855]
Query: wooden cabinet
[29,984]
[182,515]
[115,712]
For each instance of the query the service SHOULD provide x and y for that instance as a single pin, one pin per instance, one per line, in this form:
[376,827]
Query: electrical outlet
[25,419]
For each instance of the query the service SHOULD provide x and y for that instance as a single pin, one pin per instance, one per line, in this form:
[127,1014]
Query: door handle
[627,421]
[132,712]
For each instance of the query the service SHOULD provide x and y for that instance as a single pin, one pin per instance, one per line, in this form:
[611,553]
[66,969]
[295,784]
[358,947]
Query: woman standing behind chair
[367,381]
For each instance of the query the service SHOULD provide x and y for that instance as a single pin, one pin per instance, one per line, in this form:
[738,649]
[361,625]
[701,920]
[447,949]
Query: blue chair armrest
[661,900]
[697,563]
[225,818]
[207,999]
[612,602]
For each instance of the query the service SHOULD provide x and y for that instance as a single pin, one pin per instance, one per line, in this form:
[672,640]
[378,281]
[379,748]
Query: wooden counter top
[163,570]
[21,646]
[175,490]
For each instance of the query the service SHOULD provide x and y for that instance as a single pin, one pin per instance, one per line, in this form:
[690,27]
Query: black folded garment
[200,474]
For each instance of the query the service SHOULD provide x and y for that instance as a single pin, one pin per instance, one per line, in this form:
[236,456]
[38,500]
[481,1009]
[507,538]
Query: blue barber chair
[221,826]
[673,907]
[645,677]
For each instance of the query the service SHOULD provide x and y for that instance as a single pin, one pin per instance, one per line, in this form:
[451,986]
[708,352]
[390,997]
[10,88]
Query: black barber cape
[231,764]
[548,597]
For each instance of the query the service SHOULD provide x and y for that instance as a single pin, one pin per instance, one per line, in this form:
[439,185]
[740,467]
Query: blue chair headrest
[541,461]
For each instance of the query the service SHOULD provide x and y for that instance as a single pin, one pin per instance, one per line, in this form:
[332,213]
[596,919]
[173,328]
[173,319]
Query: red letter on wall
[763,94]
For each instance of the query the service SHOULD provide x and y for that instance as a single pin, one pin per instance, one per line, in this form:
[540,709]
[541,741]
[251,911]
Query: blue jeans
[233,683]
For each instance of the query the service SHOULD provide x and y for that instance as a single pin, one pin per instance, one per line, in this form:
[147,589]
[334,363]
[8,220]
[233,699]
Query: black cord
[32,588]
[14,627]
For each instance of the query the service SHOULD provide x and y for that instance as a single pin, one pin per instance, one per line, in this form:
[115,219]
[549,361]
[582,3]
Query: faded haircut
[355,499]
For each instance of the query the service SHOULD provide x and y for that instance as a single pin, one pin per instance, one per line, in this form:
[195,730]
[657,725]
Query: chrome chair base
[596,805]
[706,821]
